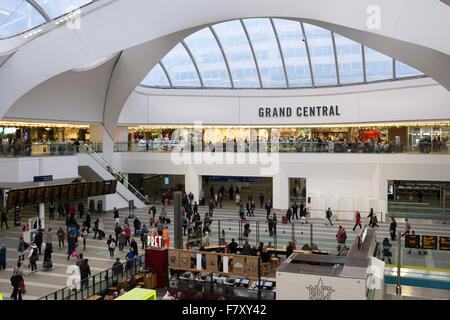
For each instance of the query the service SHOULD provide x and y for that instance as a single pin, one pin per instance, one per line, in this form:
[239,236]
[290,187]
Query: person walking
[137,226]
[111,246]
[51,210]
[117,271]
[60,210]
[87,222]
[85,272]
[261,200]
[61,236]
[4,218]
[408,228]
[248,207]
[289,215]
[3,257]
[329,214]
[21,247]
[18,285]
[220,199]
[96,227]
[143,234]
[38,239]
[33,256]
[393,229]
[101,229]
[81,209]
[295,211]
[133,244]
[84,236]
[72,246]
[241,211]
[127,231]
[121,240]
[116,215]
[357,220]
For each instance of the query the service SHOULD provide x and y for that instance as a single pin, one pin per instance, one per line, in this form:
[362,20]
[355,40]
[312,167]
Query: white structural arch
[413,31]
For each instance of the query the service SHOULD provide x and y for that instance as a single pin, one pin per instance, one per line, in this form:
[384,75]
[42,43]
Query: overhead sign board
[43,178]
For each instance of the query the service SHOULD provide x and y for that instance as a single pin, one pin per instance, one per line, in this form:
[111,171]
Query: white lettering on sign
[155,241]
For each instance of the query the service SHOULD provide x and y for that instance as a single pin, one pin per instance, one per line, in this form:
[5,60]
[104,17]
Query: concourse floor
[43,283]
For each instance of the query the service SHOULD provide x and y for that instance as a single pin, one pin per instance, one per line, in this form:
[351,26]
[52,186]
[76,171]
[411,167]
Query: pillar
[280,185]
[100,136]
[121,139]
[178,234]
[193,183]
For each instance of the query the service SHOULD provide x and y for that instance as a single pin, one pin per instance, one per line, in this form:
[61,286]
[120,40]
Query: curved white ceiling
[271,53]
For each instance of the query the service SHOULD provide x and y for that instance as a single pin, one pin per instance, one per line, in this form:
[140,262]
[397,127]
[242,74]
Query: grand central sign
[313,111]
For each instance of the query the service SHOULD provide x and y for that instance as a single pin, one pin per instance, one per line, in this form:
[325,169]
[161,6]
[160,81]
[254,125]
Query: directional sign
[43,178]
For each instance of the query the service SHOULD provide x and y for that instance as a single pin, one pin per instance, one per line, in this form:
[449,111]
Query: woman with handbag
[33,256]
[18,285]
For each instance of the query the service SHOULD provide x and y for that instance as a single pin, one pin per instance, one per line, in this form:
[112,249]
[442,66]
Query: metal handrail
[60,292]
[94,155]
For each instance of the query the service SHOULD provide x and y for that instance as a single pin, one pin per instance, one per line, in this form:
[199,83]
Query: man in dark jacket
[117,270]
[85,272]
[137,226]
[289,249]
[295,210]
[38,240]
[87,222]
[133,244]
[232,246]
[81,209]
[246,249]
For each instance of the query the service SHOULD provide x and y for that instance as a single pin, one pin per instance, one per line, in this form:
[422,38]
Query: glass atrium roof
[18,16]
[271,53]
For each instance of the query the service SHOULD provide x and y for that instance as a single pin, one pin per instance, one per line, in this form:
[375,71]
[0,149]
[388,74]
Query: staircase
[99,167]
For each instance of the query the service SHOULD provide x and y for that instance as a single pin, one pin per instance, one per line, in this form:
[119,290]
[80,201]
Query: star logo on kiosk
[319,291]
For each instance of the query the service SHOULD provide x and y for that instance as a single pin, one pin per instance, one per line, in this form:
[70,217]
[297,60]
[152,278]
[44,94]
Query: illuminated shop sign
[155,241]
[314,111]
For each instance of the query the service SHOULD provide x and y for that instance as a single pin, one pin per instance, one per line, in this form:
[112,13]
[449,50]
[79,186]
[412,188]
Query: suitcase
[284,219]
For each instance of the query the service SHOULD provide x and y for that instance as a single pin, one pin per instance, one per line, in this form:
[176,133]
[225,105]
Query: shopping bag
[74,253]
[43,246]
[26,262]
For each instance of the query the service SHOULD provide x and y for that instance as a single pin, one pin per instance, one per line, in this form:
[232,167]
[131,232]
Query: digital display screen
[39,198]
[64,192]
[48,194]
[100,188]
[94,187]
[390,190]
[166,180]
[56,193]
[113,186]
[107,187]
[86,189]
[444,243]
[429,242]
[412,241]
[72,191]
[30,196]
[79,191]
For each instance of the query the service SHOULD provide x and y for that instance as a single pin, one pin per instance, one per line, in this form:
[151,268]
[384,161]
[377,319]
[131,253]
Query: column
[99,135]
[280,186]
[41,205]
[379,192]
[178,234]
[121,139]
[193,183]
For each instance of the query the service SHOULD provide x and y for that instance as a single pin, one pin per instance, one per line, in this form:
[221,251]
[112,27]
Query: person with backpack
[121,241]
[18,284]
[329,214]
[33,256]
[357,221]
[137,226]
[111,246]
[21,247]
